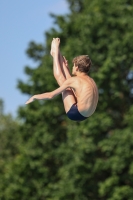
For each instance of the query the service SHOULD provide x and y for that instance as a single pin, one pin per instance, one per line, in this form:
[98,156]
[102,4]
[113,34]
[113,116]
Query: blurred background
[43,154]
[21,23]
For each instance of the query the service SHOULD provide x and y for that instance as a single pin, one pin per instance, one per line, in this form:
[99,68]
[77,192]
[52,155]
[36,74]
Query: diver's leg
[68,96]
[57,69]
[61,59]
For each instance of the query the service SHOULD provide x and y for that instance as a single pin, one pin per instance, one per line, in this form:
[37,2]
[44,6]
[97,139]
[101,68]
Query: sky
[20,23]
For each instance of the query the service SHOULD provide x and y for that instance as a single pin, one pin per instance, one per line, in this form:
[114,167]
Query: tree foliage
[59,159]
[9,144]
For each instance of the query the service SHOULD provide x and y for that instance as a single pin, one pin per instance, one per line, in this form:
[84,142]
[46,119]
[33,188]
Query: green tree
[8,134]
[60,159]
[9,143]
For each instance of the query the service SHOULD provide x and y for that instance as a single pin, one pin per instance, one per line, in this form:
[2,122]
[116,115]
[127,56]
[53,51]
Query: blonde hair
[83,62]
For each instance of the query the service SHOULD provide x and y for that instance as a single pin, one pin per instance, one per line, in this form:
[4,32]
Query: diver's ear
[76,67]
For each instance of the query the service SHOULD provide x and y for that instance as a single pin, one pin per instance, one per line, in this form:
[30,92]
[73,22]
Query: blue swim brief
[74,114]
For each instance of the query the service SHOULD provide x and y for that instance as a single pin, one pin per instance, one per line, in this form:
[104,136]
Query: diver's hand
[30,100]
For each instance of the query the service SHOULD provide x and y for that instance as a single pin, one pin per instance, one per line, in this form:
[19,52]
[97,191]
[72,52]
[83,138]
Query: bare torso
[86,93]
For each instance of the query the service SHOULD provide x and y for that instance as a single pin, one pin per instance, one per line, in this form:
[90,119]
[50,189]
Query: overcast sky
[20,23]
